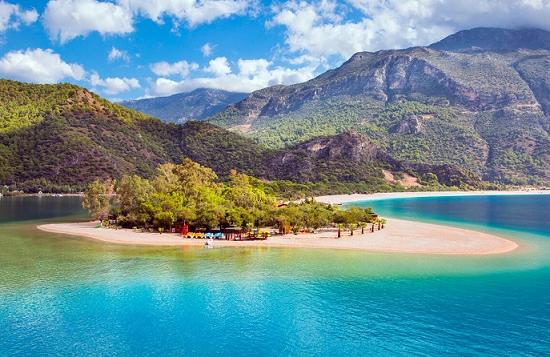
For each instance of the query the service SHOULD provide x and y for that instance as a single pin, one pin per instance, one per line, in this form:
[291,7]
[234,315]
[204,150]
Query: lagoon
[62,295]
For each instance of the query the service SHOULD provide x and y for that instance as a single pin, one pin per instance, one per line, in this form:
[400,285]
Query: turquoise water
[68,296]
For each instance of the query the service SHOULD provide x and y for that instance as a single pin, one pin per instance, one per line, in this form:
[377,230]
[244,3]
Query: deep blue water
[521,213]
[64,296]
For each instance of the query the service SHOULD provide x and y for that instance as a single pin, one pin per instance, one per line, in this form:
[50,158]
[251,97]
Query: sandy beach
[398,236]
[357,197]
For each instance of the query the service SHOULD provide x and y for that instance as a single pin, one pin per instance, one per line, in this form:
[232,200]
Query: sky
[131,49]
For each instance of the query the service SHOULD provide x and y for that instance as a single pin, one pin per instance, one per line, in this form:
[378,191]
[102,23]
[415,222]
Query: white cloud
[11,16]
[218,66]
[181,68]
[252,74]
[318,29]
[68,19]
[116,54]
[207,49]
[38,66]
[114,85]
[193,12]
[250,68]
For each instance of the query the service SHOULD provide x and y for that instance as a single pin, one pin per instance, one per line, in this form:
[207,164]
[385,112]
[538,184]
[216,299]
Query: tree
[316,215]
[238,216]
[352,227]
[166,180]
[340,226]
[97,199]
[292,215]
[362,225]
[164,219]
[191,193]
[243,192]
[166,209]
[356,215]
[210,209]
[352,217]
[132,192]
[194,178]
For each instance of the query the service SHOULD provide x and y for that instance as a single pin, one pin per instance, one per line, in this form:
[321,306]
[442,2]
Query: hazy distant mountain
[479,99]
[494,39]
[178,108]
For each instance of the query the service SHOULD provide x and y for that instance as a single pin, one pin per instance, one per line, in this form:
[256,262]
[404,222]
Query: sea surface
[68,296]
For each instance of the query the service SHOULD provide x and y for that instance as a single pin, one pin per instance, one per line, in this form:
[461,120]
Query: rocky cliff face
[485,94]
[445,78]
[410,125]
[352,157]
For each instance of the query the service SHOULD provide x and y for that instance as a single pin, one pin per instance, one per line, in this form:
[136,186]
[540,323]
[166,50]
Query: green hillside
[61,137]
[468,100]
[55,135]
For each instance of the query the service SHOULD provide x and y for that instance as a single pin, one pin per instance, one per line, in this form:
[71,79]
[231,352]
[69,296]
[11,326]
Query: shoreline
[359,197]
[399,236]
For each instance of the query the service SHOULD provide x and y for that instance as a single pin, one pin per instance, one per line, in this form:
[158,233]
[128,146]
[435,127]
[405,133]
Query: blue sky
[125,49]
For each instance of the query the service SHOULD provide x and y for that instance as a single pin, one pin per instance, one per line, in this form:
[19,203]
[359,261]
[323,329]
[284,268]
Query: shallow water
[62,295]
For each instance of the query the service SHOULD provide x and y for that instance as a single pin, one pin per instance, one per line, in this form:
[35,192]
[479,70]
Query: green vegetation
[23,105]
[59,137]
[193,194]
[446,135]
[222,150]
[317,118]
[97,199]
[518,148]
[311,216]
[75,137]
[71,137]
[188,193]
[486,112]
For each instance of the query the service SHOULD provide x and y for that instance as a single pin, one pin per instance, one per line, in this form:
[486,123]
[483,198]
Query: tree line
[193,194]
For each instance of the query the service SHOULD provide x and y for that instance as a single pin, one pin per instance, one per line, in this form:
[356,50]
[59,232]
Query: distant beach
[357,197]
[398,236]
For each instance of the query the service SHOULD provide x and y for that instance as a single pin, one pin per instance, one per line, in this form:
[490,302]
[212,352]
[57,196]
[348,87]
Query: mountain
[178,108]
[353,157]
[64,135]
[494,39]
[479,99]
[60,137]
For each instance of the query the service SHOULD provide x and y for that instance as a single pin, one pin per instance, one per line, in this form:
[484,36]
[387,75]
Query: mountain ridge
[494,39]
[485,111]
[178,108]
[60,137]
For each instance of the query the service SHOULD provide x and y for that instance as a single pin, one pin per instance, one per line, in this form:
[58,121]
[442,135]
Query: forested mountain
[178,108]
[479,99]
[65,135]
[60,137]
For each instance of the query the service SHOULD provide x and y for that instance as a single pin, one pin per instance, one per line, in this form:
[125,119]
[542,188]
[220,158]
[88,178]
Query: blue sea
[68,296]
